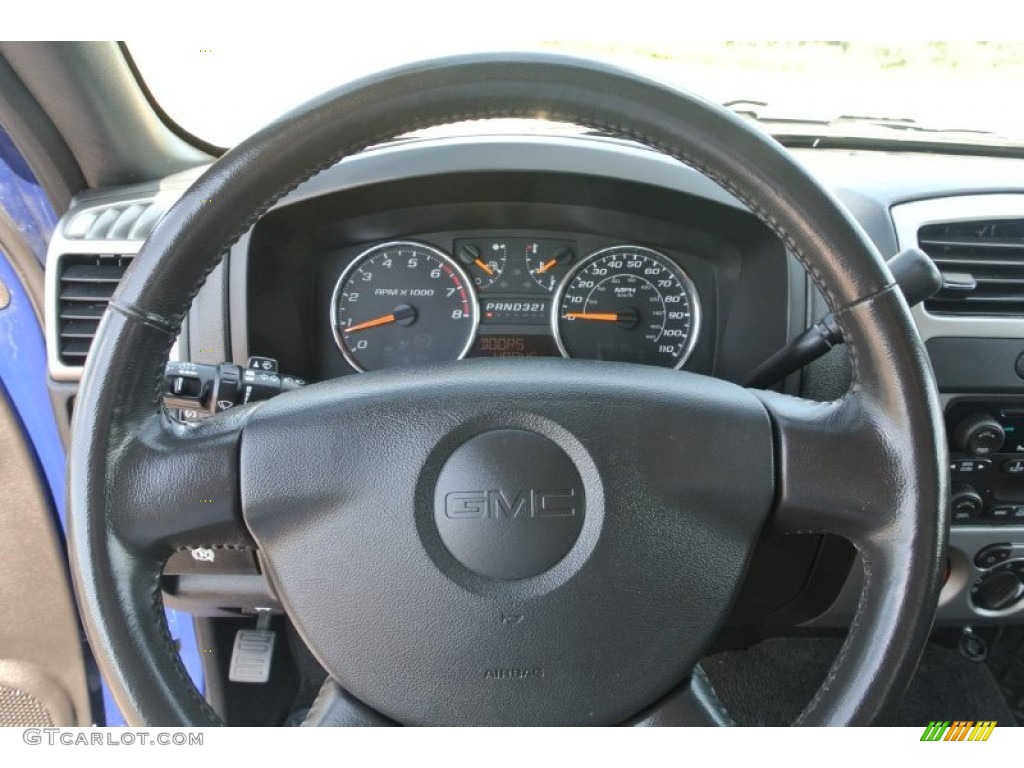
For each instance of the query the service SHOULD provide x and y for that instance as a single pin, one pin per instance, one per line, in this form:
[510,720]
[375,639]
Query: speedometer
[403,303]
[630,304]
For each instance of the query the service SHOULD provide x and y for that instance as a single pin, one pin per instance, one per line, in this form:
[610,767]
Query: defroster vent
[982,265]
[85,286]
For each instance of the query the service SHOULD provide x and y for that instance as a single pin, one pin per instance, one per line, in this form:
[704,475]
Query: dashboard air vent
[85,286]
[127,221]
[982,265]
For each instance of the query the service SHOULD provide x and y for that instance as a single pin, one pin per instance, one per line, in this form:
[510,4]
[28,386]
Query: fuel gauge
[484,263]
[547,261]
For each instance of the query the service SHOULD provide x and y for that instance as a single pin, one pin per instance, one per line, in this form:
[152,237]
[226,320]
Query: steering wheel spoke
[694,703]
[824,453]
[335,707]
[176,487]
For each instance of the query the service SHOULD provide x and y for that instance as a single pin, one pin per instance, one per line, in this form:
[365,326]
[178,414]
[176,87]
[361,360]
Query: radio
[986,440]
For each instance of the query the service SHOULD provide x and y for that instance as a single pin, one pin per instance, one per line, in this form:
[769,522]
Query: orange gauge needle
[611,317]
[384,320]
[545,267]
[483,265]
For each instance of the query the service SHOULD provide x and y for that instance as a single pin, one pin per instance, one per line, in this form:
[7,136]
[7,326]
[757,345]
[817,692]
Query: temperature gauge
[547,261]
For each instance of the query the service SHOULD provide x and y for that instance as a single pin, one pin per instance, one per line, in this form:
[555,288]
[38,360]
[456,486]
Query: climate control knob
[998,590]
[978,435]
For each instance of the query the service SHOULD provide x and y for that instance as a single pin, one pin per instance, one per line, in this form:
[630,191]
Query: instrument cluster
[409,302]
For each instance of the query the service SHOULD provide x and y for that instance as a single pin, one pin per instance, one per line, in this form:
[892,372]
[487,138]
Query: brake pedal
[253,651]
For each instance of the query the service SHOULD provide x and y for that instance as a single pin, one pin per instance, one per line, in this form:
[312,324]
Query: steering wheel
[639,493]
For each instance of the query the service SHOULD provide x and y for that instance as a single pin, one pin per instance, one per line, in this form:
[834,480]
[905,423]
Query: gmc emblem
[526,503]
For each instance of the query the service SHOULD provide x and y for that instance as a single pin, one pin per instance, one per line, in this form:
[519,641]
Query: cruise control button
[992,555]
[1014,466]
[1000,513]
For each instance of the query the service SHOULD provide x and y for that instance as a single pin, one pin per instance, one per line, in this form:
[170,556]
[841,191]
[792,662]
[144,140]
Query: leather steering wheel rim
[132,473]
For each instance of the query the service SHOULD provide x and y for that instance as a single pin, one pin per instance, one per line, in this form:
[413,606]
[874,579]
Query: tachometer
[401,304]
[630,304]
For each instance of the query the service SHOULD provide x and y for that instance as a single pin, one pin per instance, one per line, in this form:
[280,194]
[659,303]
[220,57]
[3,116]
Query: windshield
[962,91]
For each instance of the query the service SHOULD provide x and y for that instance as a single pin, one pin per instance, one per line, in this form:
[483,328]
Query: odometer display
[401,304]
[629,304]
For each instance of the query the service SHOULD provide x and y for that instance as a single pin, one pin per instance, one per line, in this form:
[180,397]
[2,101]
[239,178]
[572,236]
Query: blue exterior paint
[23,373]
[23,199]
[182,629]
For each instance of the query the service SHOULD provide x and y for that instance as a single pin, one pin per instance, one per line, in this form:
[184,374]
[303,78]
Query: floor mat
[771,683]
[1006,661]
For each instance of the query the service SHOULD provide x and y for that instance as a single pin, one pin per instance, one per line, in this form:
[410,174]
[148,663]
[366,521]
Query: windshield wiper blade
[754,109]
[901,124]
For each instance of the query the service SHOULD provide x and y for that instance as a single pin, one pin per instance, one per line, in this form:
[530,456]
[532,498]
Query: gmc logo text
[525,503]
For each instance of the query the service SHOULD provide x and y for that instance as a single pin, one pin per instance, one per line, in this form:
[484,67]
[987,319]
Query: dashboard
[435,250]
